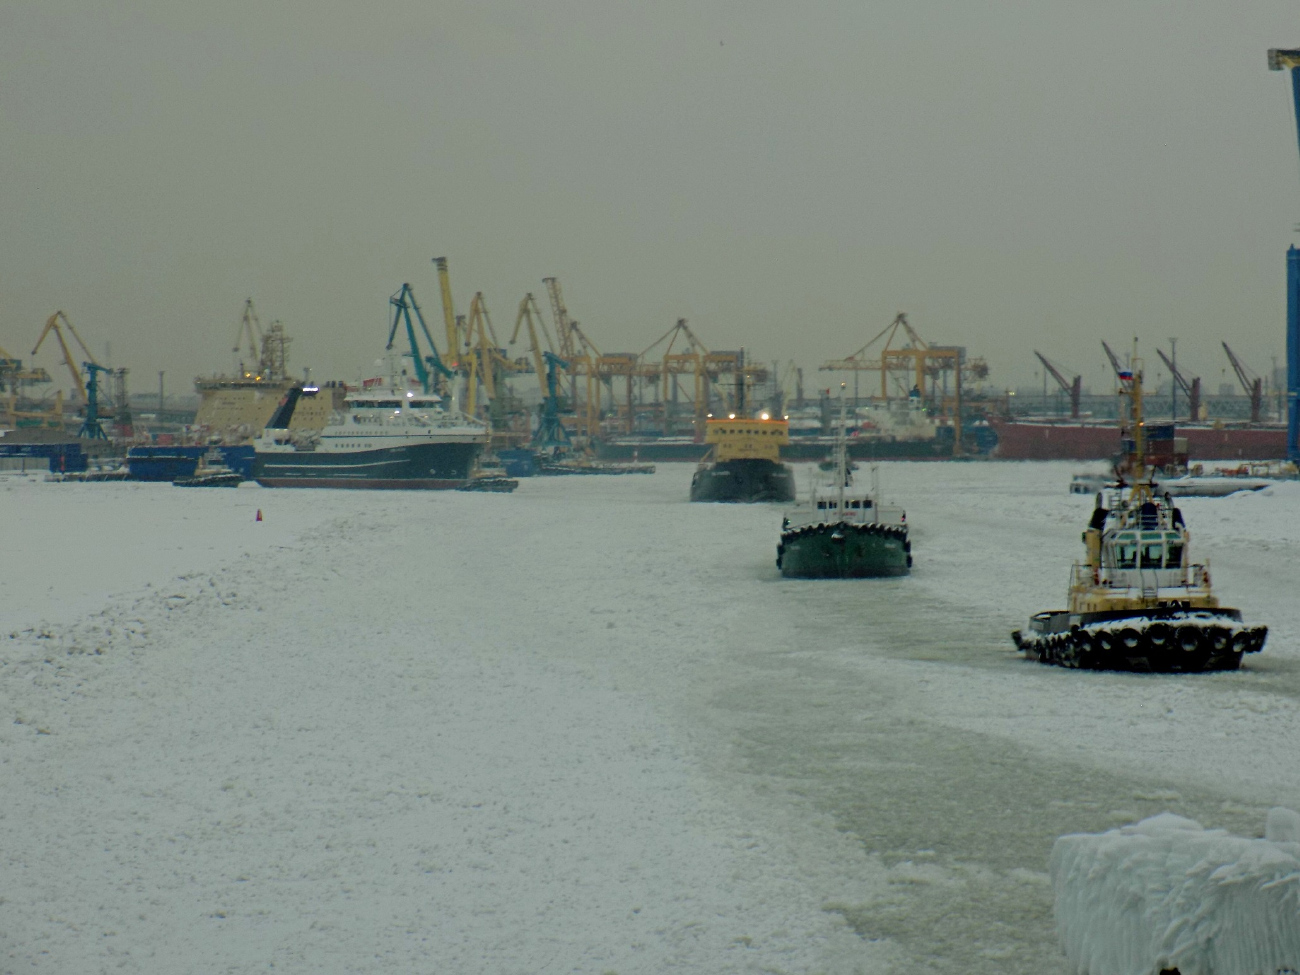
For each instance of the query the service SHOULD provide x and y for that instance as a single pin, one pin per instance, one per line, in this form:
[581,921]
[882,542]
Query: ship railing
[1145,581]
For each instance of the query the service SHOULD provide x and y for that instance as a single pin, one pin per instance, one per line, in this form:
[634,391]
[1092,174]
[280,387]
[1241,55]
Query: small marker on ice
[259,514]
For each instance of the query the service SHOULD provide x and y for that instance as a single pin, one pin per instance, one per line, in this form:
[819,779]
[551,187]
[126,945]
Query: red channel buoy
[259,514]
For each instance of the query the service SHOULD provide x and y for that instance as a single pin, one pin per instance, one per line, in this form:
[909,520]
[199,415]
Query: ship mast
[841,457]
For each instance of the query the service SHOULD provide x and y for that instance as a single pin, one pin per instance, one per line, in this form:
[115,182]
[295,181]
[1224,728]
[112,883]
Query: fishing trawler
[387,437]
[1137,601]
[843,532]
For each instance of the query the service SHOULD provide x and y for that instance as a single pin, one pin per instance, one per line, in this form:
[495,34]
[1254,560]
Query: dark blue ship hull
[425,466]
[167,463]
[157,463]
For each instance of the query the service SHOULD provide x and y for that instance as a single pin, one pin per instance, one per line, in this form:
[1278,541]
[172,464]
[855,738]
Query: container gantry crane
[1251,383]
[1071,387]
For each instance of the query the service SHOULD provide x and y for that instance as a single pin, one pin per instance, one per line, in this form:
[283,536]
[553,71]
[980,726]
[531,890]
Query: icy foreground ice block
[1167,894]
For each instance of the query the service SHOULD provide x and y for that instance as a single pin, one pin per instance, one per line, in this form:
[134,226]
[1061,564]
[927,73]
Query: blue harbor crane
[429,367]
[551,434]
[1280,60]
[90,426]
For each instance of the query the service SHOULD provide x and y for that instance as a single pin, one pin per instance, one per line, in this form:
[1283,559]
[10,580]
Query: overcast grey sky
[785,175]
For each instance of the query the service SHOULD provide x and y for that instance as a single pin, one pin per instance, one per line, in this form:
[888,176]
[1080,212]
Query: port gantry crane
[916,359]
[1192,387]
[551,434]
[1073,387]
[1279,60]
[582,358]
[1251,383]
[430,370]
[91,429]
[676,364]
[483,361]
[13,379]
[52,324]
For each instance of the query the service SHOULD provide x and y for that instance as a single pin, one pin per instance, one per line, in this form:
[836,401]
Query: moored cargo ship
[1029,439]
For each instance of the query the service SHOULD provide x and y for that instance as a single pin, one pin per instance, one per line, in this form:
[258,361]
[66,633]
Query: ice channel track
[378,756]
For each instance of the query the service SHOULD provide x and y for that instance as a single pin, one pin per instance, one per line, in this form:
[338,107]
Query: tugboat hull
[1160,640]
[844,551]
[749,480]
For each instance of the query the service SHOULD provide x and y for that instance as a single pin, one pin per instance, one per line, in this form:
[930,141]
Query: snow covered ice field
[585,728]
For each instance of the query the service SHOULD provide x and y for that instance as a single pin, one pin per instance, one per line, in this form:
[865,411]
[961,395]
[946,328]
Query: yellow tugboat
[1137,601]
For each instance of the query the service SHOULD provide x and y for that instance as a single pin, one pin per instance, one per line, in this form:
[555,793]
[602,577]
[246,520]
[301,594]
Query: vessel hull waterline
[431,466]
[844,551]
[744,481]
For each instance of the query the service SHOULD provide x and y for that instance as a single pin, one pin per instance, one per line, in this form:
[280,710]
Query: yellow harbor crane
[915,360]
[484,362]
[688,361]
[13,380]
[52,324]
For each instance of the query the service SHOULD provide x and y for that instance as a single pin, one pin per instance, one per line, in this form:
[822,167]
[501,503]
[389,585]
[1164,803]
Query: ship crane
[250,331]
[1191,387]
[1071,387]
[427,365]
[1250,382]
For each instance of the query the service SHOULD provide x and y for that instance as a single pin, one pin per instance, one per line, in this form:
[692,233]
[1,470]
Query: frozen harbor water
[585,728]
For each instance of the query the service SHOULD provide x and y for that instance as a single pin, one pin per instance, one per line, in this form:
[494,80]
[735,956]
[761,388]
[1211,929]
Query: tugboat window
[1126,555]
[1153,555]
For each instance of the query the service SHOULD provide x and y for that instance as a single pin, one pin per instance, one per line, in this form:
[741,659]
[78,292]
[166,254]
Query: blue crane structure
[551,434]
[90,426]
[1280,60]
[429,367]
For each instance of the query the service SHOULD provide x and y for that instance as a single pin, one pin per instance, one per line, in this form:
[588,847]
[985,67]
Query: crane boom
[1191,387]
[1114,359]
[250,330]
[560,315]
[1250,383]
[52,325]
[404,303]
[448,312]
[1072,388]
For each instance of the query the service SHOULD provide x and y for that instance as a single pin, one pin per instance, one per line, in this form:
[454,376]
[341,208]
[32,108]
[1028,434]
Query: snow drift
[1165,893]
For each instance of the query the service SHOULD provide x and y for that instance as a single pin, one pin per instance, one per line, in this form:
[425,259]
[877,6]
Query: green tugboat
[842,532]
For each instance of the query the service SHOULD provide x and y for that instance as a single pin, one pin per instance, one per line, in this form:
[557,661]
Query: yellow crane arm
[52,325]
[527,308]
[448,312]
